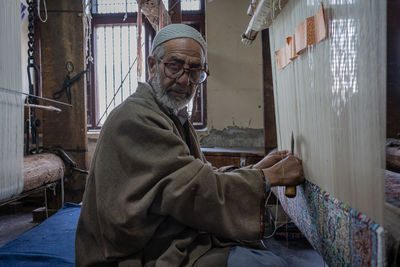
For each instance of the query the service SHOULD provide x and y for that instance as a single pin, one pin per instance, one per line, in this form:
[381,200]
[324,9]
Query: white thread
[62,190]
[11,105]
[87,22]
[275,220]
[45,11]
[381,246]
[334,99]
[45,202]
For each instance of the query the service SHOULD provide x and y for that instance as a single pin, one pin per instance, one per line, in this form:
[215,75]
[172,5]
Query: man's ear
[152,66]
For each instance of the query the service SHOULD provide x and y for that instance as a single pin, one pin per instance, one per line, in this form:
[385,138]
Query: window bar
[113,59]
[120,59]
[129,56]
[105,66]
[94,7]
[129,71]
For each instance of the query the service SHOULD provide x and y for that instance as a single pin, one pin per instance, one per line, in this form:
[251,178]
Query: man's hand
[270,159]
[287,172]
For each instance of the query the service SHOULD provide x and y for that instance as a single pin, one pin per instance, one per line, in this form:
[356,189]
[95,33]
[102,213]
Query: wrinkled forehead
[184,47]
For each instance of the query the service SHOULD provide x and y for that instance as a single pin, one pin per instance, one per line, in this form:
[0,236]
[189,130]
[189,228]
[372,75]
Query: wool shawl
[152,199]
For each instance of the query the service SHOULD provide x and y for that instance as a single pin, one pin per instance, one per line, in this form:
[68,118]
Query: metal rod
[25,194]
[51,108]
[40,97]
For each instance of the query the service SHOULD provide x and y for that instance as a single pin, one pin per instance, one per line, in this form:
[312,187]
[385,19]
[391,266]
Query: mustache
[178,90]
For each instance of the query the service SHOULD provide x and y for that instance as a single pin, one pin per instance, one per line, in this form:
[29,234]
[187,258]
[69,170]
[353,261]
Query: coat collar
[146,91]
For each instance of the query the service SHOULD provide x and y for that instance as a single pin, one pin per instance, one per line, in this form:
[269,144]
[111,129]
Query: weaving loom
[18,174]
[11,105]
[332,96]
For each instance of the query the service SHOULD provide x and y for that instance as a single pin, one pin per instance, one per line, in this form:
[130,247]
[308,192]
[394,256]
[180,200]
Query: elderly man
[151,197]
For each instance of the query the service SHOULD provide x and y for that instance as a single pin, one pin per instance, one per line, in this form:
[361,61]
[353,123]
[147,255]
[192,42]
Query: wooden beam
[270,139]
[62,40]
[41,169]
[393,154]
[174,10]
[393,64]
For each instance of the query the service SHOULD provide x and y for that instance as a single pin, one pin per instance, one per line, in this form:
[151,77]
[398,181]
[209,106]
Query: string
[45,202]
[173,6]
[287,238]
[139,42]
[275,221]
[45,11]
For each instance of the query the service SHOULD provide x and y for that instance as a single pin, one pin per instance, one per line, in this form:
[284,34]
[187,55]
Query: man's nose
[184,78]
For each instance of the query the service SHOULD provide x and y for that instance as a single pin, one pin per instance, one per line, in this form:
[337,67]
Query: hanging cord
[45,202]
[62,190]
[68,163]
[45,11]
[275,219]
[87,22]
[139,42]
[276,210]
[51,187]
[173,6]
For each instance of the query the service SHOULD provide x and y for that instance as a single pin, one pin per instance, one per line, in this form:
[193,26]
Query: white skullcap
[174,31]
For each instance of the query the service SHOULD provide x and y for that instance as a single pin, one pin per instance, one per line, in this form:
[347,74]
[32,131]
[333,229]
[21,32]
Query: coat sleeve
[144,172]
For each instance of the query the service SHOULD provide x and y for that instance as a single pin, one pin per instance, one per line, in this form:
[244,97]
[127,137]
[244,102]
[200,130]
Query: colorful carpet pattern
[342,235]
[392,188]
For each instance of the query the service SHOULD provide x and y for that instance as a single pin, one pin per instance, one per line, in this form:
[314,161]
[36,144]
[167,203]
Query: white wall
[234,89]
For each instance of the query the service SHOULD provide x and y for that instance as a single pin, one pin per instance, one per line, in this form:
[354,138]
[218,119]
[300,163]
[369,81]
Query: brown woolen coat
[153,200]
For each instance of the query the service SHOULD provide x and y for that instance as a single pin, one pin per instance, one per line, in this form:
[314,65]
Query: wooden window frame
[101,20]
[194,18]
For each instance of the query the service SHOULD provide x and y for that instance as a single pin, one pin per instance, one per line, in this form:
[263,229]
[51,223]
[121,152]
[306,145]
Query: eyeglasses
[174,70]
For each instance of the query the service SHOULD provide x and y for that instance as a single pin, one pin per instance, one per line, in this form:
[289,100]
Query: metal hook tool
[68,82]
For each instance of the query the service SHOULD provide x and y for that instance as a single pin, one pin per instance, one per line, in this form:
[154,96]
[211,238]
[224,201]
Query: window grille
[130,6]
[115,66]
[114,43]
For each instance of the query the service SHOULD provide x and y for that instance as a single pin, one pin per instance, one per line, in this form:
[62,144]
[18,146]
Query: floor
[15,219]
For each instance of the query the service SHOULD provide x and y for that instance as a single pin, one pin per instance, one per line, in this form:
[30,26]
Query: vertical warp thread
[334,100]
[331,95]
[11,105]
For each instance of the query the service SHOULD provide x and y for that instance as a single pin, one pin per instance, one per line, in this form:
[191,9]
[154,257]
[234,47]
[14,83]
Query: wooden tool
[290,191]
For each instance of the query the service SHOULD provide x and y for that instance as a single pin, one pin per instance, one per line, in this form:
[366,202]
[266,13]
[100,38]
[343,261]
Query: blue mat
[51,243]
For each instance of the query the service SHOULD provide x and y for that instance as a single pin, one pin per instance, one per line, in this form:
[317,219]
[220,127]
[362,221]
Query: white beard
[174,103]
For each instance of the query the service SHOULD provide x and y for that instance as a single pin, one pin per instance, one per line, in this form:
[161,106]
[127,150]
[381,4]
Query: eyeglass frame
[205,69]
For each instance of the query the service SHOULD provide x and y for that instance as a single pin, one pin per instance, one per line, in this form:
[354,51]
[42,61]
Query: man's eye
[174,66]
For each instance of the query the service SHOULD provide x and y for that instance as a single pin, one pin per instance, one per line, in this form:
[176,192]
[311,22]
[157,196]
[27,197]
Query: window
[114,73]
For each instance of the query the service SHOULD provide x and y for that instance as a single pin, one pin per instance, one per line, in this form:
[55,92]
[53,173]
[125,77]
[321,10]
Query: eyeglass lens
[175,70]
